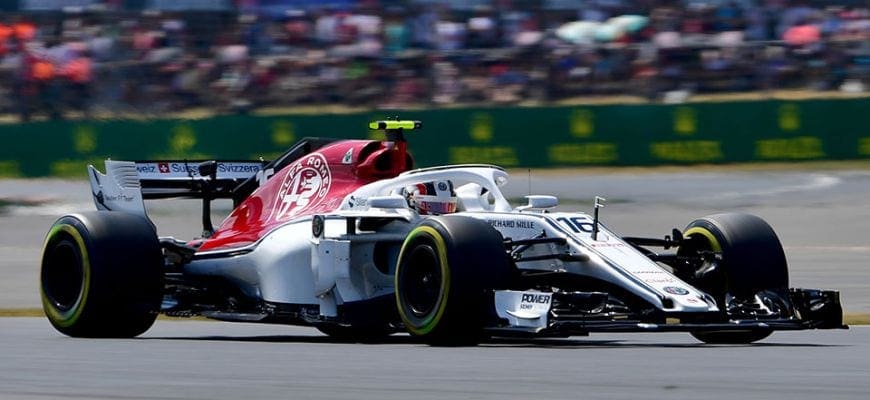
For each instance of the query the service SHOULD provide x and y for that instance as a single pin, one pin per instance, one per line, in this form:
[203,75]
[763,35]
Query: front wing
[531,313]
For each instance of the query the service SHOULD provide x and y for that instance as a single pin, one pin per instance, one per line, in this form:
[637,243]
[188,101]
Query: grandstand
[83,58]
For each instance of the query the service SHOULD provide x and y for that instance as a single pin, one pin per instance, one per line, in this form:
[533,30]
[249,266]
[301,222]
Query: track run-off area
[217,360]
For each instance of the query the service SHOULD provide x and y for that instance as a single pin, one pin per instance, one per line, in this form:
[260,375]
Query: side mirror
[540,202]
[392,202]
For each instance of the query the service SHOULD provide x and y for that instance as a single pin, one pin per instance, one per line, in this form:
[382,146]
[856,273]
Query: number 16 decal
[577,224]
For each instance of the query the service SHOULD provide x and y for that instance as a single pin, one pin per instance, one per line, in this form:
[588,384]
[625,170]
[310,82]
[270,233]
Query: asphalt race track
[821,216]
[214,360]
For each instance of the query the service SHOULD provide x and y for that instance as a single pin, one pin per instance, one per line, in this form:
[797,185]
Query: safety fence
[749,131]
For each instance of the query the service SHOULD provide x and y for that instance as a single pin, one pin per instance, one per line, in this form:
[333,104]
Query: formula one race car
[345,236]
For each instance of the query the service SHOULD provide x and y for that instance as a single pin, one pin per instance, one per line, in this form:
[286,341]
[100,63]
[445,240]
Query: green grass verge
[849,318]
[857,319]
[21,312]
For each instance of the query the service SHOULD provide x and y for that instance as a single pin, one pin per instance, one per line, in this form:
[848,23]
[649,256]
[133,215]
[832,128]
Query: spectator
[77,71]
[482,30]
[426,53]
[39,90]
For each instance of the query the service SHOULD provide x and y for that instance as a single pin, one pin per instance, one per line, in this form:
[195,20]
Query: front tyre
[446,267]
[101,275]
[753,267]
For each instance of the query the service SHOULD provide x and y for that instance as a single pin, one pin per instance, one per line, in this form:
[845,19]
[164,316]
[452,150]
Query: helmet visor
[435,206]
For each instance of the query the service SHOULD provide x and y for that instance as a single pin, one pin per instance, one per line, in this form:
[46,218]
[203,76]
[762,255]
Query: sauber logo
[305,185]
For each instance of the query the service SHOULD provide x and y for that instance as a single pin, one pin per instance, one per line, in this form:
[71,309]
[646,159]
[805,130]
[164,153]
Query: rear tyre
[101,275]
[446,269]
[753,263]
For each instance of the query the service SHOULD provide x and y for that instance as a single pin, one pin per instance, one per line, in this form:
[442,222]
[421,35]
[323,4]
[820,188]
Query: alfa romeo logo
[305,185]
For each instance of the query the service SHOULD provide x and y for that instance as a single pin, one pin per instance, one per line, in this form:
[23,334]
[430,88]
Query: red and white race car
[345,236]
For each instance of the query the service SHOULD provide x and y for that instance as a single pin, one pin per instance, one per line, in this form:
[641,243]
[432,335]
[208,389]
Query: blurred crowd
[425,53]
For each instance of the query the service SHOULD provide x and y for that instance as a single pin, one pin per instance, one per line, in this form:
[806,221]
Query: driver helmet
[432,198]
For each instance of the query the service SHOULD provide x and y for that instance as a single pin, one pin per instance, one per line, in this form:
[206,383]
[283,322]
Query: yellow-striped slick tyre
[447,269]
[101,275]
[753,261]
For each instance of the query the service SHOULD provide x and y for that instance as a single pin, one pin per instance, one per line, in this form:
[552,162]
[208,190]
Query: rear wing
[126,184]
[194,179]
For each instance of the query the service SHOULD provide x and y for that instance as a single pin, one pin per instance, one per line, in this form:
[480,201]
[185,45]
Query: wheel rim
[422,281]
[62,275]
